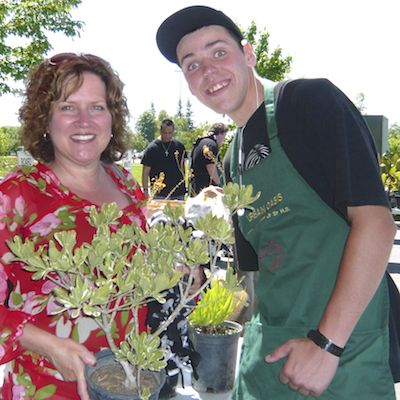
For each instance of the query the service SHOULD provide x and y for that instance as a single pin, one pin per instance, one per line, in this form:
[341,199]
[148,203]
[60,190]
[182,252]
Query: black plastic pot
[216,369]
[106,358]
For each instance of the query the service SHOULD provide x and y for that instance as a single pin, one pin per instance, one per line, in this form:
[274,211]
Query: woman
[74,123]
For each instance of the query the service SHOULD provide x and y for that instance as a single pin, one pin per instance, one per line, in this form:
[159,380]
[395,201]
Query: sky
[353,43]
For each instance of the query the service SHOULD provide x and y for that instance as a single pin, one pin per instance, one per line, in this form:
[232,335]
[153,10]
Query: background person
[165,155]
[74,123]
[313,231]
[205,159]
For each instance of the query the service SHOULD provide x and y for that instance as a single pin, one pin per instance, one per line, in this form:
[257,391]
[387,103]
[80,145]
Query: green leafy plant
[123,269]
[217,303]
[390,171]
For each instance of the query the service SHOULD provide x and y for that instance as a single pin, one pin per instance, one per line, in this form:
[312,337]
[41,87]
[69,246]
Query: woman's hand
[67,356]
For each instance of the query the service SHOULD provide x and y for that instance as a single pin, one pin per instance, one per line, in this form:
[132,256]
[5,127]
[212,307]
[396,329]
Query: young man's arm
[212,171]
[308,368]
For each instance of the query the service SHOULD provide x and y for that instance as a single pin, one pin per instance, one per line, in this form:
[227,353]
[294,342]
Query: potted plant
[390,173]
[122,270]
[215,335]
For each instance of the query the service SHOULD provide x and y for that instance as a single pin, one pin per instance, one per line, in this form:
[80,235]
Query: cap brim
[187,20]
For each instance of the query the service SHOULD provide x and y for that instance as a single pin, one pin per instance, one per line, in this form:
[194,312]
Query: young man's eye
[220,53]
[192,66]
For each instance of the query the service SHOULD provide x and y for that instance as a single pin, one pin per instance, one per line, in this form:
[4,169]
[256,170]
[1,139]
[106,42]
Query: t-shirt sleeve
[212,147]
[329,143]
[147,158]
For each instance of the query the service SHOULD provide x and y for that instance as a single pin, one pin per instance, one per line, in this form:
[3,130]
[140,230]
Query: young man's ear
[249,54]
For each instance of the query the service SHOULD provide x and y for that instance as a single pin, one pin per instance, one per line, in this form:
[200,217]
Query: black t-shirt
[200,176]
[328,142]
[169,159]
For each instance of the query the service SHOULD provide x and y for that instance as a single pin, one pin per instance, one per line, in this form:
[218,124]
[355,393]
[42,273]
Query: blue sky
[353,43]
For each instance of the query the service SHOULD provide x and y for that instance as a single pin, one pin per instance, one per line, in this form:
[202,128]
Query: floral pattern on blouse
[34,204]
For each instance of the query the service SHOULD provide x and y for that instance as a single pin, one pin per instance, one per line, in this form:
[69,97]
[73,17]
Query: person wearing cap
[205,160]
[320,327]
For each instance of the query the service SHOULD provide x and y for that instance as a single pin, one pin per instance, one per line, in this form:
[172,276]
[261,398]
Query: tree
[394,139]
[31,20]
[138,142]
[360,102]
[189,115]
[3,143]
[146,125]
[271,65]
[13,136]
[179,113]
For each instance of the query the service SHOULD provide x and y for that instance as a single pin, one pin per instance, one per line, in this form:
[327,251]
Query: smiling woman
[74,123]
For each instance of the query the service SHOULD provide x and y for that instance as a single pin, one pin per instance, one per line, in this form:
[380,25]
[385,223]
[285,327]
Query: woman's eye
[98,107]
[66,107]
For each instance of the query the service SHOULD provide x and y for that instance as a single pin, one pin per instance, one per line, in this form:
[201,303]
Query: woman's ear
[249,54]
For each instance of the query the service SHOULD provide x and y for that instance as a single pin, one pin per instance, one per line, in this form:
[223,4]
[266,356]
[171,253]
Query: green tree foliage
[179,112]
[147,125]
[30,20]
[3,143]
[189,115]
[360,102]
[188,137]
[138,142]
[12,136]
[271,65]
[394,139]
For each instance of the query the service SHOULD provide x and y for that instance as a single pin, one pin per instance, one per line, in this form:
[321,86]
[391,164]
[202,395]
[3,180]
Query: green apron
[299,241]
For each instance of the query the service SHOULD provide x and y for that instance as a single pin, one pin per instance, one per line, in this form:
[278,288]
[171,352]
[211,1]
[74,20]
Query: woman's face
[80,126]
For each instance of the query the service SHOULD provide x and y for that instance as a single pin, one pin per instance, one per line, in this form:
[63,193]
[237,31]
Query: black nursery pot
[218,354]
[106,359]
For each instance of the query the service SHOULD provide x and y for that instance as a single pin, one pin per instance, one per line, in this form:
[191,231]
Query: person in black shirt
[206,164]
[165,155]
[320,233]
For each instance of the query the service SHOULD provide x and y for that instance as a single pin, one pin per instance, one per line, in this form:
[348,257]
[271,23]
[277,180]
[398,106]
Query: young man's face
[217,70]
[166,132]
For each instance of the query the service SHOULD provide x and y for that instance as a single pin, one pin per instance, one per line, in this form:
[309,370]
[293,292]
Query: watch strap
[324,343]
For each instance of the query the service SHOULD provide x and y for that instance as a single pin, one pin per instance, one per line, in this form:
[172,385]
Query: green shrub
[7,164]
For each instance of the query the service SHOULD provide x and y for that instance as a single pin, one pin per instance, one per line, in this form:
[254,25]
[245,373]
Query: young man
[205,159]
[321,232]
[165,155]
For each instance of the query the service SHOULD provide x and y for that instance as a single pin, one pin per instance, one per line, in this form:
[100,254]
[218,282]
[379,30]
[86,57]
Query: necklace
[166,152]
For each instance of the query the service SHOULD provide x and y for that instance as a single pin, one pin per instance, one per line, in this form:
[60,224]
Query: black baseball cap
[187,20]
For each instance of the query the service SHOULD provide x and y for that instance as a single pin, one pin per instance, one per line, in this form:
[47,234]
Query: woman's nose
[84,117]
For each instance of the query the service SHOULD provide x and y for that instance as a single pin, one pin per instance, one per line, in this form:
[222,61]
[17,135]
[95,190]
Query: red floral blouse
[34,204]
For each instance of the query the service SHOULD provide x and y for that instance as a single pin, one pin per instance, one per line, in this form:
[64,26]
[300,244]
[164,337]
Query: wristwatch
[326,344]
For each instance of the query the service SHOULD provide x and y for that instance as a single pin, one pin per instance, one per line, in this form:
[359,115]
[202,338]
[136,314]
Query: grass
[137,172]
[8,163]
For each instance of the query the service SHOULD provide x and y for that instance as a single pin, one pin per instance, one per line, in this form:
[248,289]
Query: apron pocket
[363,372]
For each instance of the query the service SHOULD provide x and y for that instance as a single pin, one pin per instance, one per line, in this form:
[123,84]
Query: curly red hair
[58,77]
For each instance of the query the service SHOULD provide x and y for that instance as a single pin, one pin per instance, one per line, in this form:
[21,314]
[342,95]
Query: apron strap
[269,101]
[270,104]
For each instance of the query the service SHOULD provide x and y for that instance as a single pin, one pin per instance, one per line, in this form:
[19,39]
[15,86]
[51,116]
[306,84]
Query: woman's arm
[67,356]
